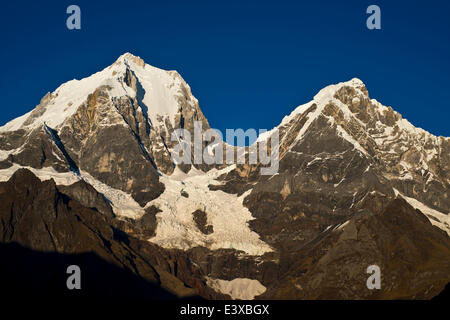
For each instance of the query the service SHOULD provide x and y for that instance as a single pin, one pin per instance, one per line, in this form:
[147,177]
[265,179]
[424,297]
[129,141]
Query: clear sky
[249,63]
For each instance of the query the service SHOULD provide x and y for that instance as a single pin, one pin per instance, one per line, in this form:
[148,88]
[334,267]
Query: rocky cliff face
[357,185]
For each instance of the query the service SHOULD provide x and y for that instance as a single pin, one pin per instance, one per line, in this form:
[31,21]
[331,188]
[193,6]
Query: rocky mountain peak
[343,118]
[84,126]
[331,90]
[163,93]
[128,57]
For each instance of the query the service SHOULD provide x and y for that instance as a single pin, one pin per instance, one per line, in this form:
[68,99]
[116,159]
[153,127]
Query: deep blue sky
[248,62]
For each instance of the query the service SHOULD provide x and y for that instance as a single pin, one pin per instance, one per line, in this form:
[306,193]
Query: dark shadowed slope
[43,231]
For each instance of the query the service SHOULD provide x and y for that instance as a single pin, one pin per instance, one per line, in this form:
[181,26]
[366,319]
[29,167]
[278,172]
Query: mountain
[90,169]
[84,124]
[62,232]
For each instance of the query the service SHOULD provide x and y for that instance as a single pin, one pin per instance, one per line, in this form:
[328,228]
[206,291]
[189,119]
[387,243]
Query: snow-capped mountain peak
[159,91]
[117,120]
[127,57]
[411,158]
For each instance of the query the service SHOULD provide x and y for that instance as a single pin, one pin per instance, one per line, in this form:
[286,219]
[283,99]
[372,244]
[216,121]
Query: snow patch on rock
[122,203]
[237,289]
[438,219]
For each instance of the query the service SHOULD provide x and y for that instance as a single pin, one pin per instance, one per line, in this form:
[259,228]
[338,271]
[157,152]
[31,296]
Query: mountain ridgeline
[87,178]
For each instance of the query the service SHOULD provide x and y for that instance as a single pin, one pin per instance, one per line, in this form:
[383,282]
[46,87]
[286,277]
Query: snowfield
[238,289]
[225,212]
[176,227]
